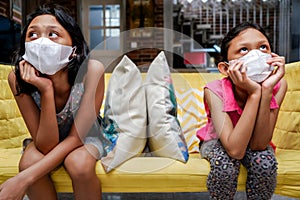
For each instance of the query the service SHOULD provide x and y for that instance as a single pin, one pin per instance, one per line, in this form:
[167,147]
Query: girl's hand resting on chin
[30,75]
[237,73]
[279,63]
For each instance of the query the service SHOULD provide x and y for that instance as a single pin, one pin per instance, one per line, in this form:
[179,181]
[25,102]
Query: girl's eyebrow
[243,44]
[33,27]
[263,42]
[48,27]
[54,27]
[249,43]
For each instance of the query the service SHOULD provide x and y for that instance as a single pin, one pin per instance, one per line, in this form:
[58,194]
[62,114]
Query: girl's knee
[262,174]
[222,165]
[263,165]
[80,164]
[29,157]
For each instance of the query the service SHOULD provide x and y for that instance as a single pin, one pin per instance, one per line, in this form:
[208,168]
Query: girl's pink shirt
[223,89]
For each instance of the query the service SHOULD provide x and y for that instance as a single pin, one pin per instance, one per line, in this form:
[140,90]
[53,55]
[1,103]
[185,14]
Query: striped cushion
[191,111]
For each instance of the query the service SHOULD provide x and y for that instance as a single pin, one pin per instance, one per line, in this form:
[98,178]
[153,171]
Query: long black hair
[235,32]
[64,18]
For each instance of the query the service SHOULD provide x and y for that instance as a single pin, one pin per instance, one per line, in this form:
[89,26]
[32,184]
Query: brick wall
[71,5]
[13,13]
[4,4]
[146,48]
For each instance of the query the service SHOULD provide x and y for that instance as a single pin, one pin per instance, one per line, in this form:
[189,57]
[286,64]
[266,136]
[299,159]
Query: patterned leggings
[261,178]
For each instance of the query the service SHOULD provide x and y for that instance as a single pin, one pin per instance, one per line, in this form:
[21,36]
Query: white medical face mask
[257,68]
[47,56]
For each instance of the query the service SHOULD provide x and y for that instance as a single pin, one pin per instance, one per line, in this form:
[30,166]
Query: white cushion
[165,137]
[125,115]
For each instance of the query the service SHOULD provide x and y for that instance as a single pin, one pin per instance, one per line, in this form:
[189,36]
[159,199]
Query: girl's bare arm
[234,139]
[266,118]
[42,124]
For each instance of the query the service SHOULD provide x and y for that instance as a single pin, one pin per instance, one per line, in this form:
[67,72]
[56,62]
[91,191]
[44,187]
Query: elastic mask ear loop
[74,54]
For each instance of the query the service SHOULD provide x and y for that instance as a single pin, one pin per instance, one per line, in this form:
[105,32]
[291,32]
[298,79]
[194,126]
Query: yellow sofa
[158,174]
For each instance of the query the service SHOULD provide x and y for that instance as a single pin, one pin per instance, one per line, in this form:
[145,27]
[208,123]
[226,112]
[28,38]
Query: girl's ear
[223,67]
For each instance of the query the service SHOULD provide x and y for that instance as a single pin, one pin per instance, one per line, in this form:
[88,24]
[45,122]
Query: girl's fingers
[21,66]
[27,72]
[276,58]
[280,67]
[279,61]
[274,54]
[31,71]
[235,71]
[243,69]
[279,64]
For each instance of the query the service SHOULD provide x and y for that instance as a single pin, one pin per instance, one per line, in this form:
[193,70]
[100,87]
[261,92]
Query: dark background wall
[295,31]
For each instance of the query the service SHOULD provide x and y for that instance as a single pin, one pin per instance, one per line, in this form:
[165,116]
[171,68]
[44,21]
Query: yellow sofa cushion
[12,126]
[287,131]
[287,136]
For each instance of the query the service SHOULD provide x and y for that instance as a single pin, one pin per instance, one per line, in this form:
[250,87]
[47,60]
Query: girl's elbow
[237,154]
[258,147]
[235,151]
[44,149]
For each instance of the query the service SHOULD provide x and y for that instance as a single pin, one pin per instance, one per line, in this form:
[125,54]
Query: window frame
[86,28]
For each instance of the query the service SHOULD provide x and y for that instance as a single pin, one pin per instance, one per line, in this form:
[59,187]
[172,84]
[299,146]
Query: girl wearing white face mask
[59,92]
[242,110]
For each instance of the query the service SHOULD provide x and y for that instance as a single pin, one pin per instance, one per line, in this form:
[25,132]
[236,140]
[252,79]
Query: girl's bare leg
[80,164]
[43,189]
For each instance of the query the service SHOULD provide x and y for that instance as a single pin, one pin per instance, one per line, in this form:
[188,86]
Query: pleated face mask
[47,56]
[256,64]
